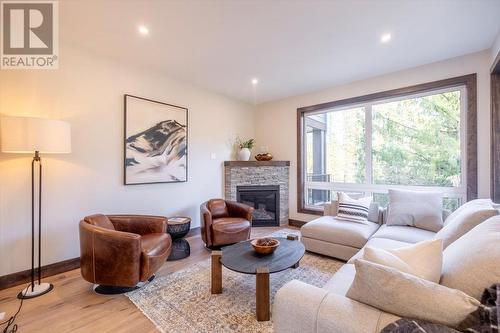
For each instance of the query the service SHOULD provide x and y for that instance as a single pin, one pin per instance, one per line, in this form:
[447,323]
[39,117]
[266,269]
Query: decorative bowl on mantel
[264,157]
[265,245]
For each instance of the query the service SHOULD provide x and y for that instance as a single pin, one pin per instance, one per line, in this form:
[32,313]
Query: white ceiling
[292,46]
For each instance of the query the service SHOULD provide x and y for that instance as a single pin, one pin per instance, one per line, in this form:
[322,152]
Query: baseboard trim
[296,223]
[22,277]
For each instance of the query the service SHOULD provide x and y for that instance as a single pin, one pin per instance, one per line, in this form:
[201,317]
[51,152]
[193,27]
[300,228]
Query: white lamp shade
[27,135]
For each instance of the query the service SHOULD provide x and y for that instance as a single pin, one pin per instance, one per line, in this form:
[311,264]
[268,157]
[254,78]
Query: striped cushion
[352,209]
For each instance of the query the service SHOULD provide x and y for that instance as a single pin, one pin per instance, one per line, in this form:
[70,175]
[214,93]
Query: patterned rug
[182,302]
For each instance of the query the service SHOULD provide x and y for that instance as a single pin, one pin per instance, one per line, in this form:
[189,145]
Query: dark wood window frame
[470,83]
[495,129]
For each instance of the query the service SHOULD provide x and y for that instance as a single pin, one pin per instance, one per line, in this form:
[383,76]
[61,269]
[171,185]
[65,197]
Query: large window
[410,138]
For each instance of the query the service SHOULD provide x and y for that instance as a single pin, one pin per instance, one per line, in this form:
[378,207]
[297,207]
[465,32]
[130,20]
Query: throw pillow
[353,209]
[464,219]
[332,208]
[423,259]
[414,208]
[406,295]
[472,262]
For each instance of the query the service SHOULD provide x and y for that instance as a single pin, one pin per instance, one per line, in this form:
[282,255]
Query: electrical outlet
[213,156]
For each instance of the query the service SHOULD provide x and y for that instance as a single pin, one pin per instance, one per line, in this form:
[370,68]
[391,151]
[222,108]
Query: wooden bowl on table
[264,157]
[265,245]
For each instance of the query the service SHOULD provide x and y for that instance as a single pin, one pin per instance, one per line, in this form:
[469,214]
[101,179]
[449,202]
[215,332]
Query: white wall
[495,48]
[276,122]
[88,91]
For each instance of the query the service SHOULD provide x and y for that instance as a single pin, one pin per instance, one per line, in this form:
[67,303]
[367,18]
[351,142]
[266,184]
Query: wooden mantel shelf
[256,163]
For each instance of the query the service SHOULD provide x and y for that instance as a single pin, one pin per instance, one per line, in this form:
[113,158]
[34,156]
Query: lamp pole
[23,135]
[39,288]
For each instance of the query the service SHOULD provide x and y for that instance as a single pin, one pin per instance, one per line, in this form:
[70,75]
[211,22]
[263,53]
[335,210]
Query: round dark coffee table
[242,258]
[178,227]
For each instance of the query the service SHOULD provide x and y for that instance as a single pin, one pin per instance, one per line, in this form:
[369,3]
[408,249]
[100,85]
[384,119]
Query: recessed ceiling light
[386,38]
[255,81]
[143,30]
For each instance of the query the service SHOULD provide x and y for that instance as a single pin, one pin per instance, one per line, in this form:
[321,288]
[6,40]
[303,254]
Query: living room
[174,124]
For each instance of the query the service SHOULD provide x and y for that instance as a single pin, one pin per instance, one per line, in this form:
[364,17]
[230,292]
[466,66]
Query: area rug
[182,302]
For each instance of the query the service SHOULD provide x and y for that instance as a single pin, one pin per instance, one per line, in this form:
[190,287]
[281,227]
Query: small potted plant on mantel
[244,146]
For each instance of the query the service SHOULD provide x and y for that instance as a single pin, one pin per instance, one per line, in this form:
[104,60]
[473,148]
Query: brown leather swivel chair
[119,251]
[225,222]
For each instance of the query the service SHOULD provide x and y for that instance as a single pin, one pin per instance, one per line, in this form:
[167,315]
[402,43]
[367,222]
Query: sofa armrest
[300,307]
[296,307]
[331,208]
[139,224]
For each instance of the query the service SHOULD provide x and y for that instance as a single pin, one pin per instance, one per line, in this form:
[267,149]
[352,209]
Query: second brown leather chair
[225,222]
[122,250]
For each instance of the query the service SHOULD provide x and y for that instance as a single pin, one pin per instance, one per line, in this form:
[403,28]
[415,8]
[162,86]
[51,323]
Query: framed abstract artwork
[156,142]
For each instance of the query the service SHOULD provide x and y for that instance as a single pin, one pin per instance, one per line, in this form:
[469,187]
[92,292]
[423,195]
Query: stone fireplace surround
[246,173]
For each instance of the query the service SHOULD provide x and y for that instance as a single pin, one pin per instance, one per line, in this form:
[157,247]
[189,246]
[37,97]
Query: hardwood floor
[73,306]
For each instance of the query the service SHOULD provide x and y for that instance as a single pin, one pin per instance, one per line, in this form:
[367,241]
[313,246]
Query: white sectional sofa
[300,307]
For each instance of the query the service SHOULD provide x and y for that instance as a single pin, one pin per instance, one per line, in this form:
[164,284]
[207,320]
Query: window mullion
[463,141]
[368,145]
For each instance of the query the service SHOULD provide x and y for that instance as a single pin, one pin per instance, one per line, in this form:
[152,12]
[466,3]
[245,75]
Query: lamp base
[38,290]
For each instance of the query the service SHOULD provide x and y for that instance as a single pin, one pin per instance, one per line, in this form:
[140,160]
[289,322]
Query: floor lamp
[35,136]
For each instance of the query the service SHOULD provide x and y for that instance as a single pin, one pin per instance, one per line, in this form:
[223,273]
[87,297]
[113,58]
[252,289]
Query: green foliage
[245,144]
[417,142]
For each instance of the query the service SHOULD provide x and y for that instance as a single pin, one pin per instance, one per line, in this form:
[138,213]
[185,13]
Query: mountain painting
[155,142]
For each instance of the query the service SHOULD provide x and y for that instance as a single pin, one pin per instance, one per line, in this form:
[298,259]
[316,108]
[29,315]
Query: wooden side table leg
[262,294]
[216,272]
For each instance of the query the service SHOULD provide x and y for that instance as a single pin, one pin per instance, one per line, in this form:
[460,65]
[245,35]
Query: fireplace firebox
[265,200]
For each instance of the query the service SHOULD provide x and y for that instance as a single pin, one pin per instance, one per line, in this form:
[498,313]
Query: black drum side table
[178,227]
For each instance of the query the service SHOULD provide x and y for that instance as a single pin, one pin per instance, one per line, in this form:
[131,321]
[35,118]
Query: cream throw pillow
[418,209]
[423,259]
[406,295]
[472,262]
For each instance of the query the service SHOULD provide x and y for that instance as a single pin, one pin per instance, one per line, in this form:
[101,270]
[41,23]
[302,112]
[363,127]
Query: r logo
[29,34]
[28,28]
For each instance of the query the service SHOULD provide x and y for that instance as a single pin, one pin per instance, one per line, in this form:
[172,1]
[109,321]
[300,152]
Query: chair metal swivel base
[115,290]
